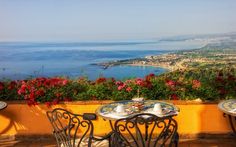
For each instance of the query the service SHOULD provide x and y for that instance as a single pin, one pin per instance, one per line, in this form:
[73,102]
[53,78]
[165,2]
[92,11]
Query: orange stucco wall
[21,119]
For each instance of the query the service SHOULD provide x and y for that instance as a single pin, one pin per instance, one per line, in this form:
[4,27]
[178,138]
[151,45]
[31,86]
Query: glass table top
[3,105]
[109,111]
[228,106]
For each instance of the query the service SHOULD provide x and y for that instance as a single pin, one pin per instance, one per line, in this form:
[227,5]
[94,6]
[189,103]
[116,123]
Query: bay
[20,60]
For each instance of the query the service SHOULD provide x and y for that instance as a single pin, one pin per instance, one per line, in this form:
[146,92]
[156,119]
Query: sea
[23,60]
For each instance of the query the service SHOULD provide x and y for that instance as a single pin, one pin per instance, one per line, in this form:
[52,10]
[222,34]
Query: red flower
[139,81]
[1,86]
[58,95]
[100,80]
[196,84]
[150,76]
[12,85]
[219,79]
[55,101]
[128,89]
[118,83]
[128,81]
[32,96]
[39,84]
[67,99]
[48,104]
[46,82]
[231,78]
[170,83]
[220,74]
[40,79]
[121,86]
[40,92]
[94,98]
[64,82]
[92,83]
[32,102]
[22,90]
[113,80]
[53,82]
[174,97]
[222,91]
[148,84]
[26,97]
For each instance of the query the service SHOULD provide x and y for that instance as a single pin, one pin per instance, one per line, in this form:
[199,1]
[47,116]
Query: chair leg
[116,141]
[176,139]
[110,141]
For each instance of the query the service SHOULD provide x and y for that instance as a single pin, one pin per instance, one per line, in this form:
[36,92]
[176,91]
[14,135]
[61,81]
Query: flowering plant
[8,90]
[206,84]
[48,90]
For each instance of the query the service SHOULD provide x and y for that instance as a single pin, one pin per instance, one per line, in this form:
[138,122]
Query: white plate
[2,104]
[120,113]
[127,112]
[164,111]
[233,111]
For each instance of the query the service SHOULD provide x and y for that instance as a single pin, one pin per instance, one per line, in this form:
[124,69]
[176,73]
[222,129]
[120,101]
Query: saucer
[164,111]
[2,104]
[120,113]
[125,113]
[233,111]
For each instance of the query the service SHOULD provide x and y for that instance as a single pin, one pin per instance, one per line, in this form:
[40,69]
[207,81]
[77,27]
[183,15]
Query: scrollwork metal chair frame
[155,131]
[67,126]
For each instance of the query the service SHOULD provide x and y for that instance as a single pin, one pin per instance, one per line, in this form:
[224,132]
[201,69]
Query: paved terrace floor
[231,142]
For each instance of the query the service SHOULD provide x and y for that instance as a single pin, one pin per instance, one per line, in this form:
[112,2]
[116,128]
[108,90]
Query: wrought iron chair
[74,130]
[146,130]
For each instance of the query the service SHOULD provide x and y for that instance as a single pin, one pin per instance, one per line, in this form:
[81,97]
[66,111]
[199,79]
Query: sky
[86,20]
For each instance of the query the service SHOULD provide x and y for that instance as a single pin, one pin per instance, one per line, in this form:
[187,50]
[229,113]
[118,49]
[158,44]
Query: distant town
[214,54]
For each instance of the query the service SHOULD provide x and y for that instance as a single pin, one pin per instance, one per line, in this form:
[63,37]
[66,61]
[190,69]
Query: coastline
[166,61]
[168,68]
[216,55]
[205,57]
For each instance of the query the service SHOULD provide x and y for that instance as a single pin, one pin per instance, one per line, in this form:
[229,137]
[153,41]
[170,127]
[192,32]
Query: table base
[232,121]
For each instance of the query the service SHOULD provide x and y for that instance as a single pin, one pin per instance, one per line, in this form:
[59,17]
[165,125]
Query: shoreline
[158,66]
[166,61]
[212,55]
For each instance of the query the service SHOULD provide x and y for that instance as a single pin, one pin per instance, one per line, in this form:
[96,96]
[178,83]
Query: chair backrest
[71,129]
[145,130]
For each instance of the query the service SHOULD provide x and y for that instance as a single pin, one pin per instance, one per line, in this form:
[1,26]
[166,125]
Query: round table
[229,109]
[108,111]
[3,105]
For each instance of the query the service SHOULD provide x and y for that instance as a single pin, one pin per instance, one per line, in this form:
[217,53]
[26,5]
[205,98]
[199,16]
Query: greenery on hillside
[212,55]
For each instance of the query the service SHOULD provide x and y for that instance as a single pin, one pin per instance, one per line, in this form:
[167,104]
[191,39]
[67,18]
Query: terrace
[200,121]
[207,126]
[117,73]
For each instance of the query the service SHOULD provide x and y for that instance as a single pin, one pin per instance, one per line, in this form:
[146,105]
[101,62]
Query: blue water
[25,60]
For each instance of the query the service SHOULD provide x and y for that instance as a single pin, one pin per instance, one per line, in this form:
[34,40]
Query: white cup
[157,108]
[120,109]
